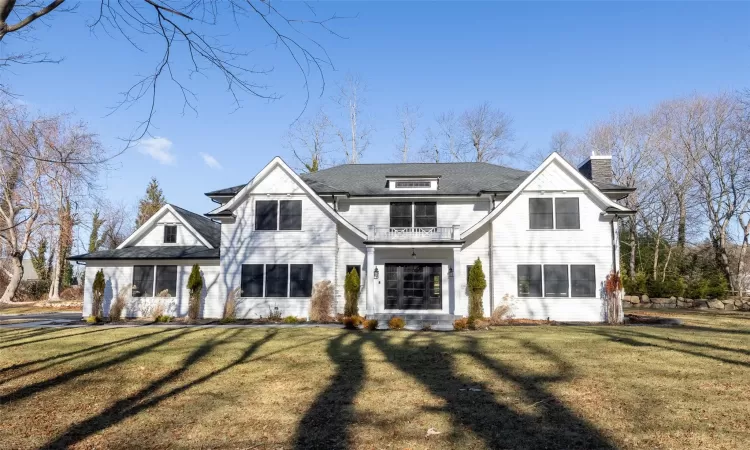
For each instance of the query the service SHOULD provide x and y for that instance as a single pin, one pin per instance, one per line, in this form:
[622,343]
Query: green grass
[25,309]
[513,387]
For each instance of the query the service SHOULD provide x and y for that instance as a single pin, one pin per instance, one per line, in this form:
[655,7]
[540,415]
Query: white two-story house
[547,240]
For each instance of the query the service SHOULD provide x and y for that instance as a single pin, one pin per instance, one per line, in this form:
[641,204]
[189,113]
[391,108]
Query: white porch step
[417,320]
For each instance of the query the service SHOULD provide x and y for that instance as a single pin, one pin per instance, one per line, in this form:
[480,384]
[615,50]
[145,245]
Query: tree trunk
[741,267]
[682,221]
[656,258]
[15,278]
[722,259]
[633,243]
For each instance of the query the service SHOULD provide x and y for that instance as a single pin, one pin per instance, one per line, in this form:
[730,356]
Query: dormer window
[412,184]
[170,234]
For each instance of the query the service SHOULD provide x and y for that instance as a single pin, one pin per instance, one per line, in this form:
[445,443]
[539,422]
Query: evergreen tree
[152,202]
[195,286]
[39,260]
[351,291]
[94,241]
[98,295]
[477,283]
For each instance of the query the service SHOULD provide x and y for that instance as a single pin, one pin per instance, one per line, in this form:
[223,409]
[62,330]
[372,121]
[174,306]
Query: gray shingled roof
[207,228]
[226,191]
[468,178]
[152,252]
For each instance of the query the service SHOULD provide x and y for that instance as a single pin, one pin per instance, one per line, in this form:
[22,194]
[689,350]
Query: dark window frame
[538,220]
[273,285]
[152,278]
[290,220]
[401,216]
[577,283]
[300,287]
[159,283]
[170,234]
[249,281]
[576,225]
[550,220]
[263,222]
[413,216]
[549,278]
[534,286]
[432,218]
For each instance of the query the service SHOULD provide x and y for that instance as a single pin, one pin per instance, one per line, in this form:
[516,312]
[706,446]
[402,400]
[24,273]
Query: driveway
[43,319]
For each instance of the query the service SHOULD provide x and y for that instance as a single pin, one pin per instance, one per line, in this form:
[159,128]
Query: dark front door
[413,286]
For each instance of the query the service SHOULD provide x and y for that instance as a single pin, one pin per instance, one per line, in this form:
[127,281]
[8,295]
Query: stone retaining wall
[730,304]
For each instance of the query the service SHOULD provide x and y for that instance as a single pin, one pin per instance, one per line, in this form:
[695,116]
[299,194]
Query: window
[266,214]
[540,213]
[563,216]
[555,281]
[530,280]
[277,277]
[401,215]
[166,280]
[583,281]
[413,184]
[425,214]
[252,280]
[357,268]
[566,214]
[300,280]
[143,281]
[170,234]
[290,215]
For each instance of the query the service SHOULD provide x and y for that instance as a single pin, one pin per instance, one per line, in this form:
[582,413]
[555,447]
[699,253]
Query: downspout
[614,243]
[492,272]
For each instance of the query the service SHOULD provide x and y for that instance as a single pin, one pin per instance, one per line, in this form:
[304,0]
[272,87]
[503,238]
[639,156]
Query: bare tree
[355,138]
[564,144]
[488,133]
[310,140]
[117,222]
[408,116]
[177,29]
[24,180]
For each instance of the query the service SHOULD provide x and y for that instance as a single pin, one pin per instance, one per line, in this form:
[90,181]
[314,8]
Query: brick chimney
[597,168]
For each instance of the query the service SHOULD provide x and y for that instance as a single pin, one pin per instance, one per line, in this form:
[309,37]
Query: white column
[370,303]
[460,305]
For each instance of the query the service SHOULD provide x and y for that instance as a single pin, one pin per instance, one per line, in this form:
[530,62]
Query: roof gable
[204,229]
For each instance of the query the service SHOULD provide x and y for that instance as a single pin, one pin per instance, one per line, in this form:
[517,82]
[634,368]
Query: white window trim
[570,280]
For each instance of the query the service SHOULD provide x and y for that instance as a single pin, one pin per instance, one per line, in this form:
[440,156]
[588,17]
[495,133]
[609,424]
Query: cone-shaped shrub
[476,286]
[98,295]
[195,286]
[351,292]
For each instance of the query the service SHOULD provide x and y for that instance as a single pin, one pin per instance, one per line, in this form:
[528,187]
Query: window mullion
[153,285]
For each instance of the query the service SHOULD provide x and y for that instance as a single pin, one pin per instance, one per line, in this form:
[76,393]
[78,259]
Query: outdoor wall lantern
[450,272]
[413,255]
[376,273]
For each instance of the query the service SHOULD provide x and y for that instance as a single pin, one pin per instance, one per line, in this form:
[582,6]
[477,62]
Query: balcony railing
[413,234]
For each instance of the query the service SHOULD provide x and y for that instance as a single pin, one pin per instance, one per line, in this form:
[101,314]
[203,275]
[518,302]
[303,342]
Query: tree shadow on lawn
[326,423]
[140,401]
[70,356]
[52,330]
[40,386]
[640,339]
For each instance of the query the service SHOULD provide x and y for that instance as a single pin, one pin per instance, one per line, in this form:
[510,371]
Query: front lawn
[31,309]
[513,387]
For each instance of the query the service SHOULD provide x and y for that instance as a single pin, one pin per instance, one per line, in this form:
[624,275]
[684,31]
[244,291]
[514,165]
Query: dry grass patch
[519,387]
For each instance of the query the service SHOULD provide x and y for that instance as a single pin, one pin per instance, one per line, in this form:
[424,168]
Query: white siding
[514,243]
[119,274]
[241,244]
[351,251]
[155,236]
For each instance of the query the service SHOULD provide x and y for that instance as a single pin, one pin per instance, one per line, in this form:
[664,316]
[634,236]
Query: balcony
[413,234]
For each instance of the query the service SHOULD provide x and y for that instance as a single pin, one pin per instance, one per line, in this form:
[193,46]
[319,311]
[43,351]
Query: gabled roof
[279,163]
[609,205]
[467,178]
[152,252]
[206,230]
[225,192]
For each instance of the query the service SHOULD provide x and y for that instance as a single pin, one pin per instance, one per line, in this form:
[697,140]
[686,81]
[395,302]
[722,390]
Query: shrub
[321,302]
[708,286]
[117,306]
[226,320]
[396,323]
[500,313]
[351,322]
[98,294]
[476,286]
[157,311]
[479,324]
[275,314]
[290,319]
[230,306]
[72,294]
[636,286]
[93,319]
[164,294]
[351,293]
[670,287]
[301,319]
[461,324]
[29,290]
[163,318]
[195,286]
[371,324]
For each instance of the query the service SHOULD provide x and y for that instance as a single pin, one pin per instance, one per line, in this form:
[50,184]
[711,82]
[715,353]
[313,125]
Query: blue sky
[551,66]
